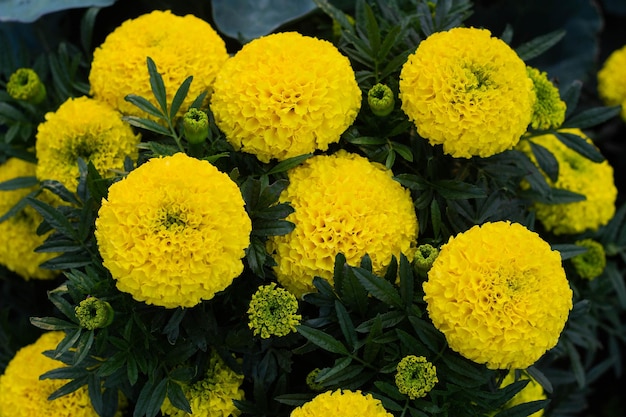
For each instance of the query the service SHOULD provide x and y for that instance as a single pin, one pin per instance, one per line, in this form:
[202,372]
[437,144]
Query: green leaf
[147,124]
[289,163]
[570,96]
[546,160]
[338,367]
[17,183]
[12,113]
[60,190]
[524,409]
[576,364]
[272,227]
[560,196]
[67,372]
[84,345]
[367,140]
[539,45]
[427,334]
[347,327]
[180,96]
[373,31]
[86,27]
[144,105]
[157,85]
[568,250]
[70,387]
[52,323]
[150,399]
[378,287]
[592,117]
[335,14]
[323,340]
[371,350]
[407,281]
[177,396]
[540,378]
[580,145]
[457,190]
[617,280]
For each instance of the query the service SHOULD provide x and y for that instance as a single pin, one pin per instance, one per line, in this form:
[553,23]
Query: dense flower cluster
[24,84]
[23,394]
[591,264]
[578,174]
[343,403]
[499,294]
[272,312]
[531,392]
[415,376]
[343,204]
[611,80]
[181,46]
[549,109]
[173,232]
[284,95]
[213,395]
[19,232]
[468,91]
[82,128]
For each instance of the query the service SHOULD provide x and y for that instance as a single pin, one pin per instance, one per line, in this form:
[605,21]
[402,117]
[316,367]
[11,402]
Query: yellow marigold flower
[579,174]
[272,312]
[611,80]
[213,395]
[284,95]
[415,376]
[549,109]
[82,128]
[173,232]
[499,294]
[343,204]
[468,91]
[343,403]
[24,84]
[591,264]
[533,391]
[180,46]
[19,233]
[23,394]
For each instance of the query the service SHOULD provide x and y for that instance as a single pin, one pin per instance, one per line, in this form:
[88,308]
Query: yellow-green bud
[590,264]
[196,126]
[272,312]
[310,380]
[549,109]
[415,376]
[24,84]
[93,313]
[381,100]
[425,256]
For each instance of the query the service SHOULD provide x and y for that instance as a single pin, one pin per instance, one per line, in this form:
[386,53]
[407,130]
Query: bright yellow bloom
[82,128]
[579,174]
[272,312]
[499,294]
[284,95]
[213,395]
[549,109]
[591,264]
[343,403]
[612,82]
[531,392]
[19,233]
[415,376]
[23,394]
[180,46]
[468,91]
[173,232]
[343,204]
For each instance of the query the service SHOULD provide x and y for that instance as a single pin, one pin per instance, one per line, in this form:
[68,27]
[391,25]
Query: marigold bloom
[579,174]
[549,109]
[415,376]
[343,204]
[499,294]
[19,233]
[591,264]
[180,46]
[23,394]
[213,395]
[284,95]
[272,312]
[468,91]
[24,84]
[173,232]
[343,403]
[82,128]
[533,391]
[611,80]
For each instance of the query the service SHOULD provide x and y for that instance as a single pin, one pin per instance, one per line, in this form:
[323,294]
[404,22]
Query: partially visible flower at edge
[549,109]
[611,80]
[272,312]
[310,380]
[591,264]
[533,391]
[344,403]
[24,84]
[415,376]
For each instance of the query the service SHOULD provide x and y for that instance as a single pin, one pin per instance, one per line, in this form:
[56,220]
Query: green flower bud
[381,100]
[425,256]
[272,312]
[24,84]
[310,380]
[549,109]
[415,376]
[93,313]
[196,126]
[590,264]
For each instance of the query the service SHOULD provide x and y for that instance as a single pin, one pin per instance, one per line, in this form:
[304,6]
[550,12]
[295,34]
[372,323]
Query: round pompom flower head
[180,46]
[83,128]
[415,376]
[612,82]
[578,174]
[467,91]
[343,403]
[272,312]
[23,394]
[285,95]
[499,294]
[343,204]
[173,232]
[19,232]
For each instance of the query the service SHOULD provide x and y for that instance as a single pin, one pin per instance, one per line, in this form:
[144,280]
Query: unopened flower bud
[272,312]
[24,84]
[590,264]
[415,376]
[93,313]
[310,380]
[425,256]
[196,126]
[381,100]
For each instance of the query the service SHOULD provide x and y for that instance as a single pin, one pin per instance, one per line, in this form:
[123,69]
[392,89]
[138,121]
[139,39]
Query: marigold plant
[611,80]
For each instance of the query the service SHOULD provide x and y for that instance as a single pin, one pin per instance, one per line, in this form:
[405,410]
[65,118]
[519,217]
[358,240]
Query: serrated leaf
[147,124]
[144,105]
[539,45]
[592,117]
[157,85]
[346,325]
[272,227]
[373,31]
[378,287]
[180,96]
[580,145]
[322,339]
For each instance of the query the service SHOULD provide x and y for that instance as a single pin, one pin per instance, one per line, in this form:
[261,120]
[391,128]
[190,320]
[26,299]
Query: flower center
[478,78]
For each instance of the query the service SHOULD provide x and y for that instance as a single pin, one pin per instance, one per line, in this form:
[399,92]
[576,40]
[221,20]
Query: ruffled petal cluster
[578,174]
[499,294]
[343,204]
[83,128]
[173,232]
[343,403]
[19,233]
[549,109]
[284,95]
[23,394]
[180,46]
[273,312]
[467,91]
[415,376]
[533,391]
[213,395]
[611,80]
